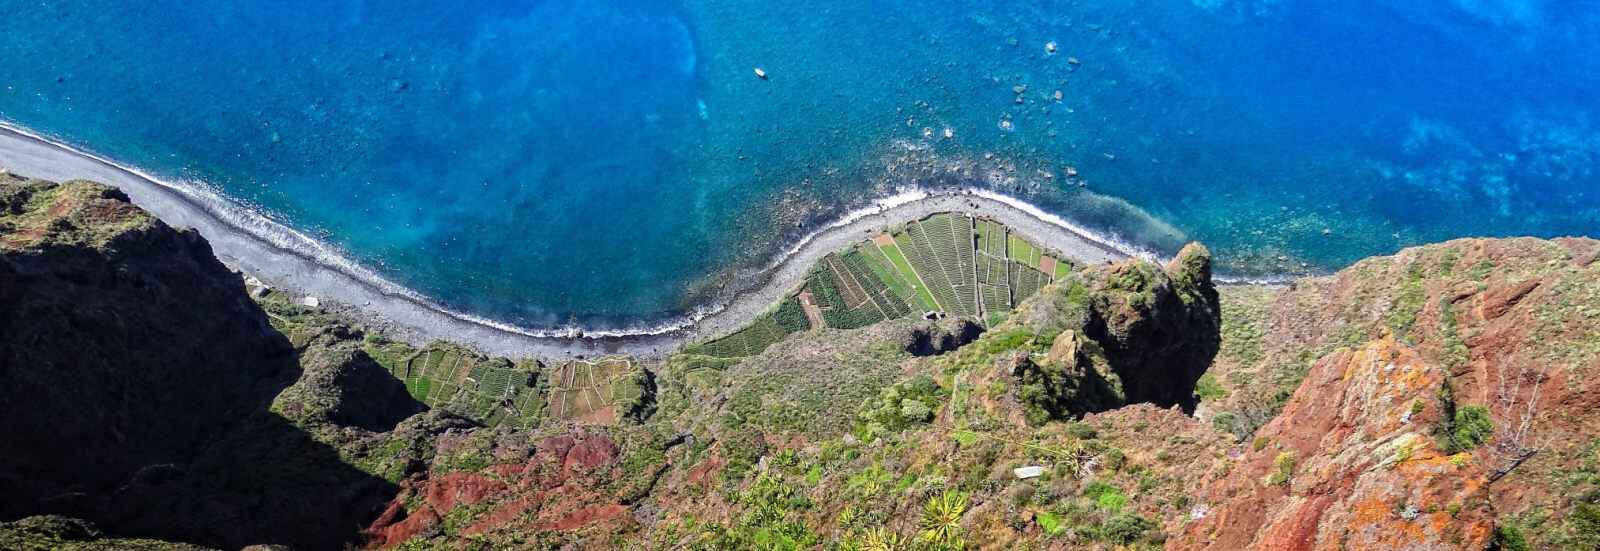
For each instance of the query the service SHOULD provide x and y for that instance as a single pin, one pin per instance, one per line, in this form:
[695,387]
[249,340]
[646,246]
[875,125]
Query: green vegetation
[898,406]
[1105,496]
[1583,526]
[1454,353]
[491,391]
[907,291]
[1207,388]
[892,305]
[1282,469]
[924,298]
[1508,537]
[941,520]
[753,339]
[791,316]
[1126,529]
[772,519]
[849,295]
[1469,428]
[940,249]
[1025,281]
[1024,252]
[1408,303]
[1054,392]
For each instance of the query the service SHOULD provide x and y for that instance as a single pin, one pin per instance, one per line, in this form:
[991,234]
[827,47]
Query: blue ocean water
[609,162]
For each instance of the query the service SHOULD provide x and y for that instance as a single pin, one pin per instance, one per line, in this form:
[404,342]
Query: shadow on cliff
[138,383]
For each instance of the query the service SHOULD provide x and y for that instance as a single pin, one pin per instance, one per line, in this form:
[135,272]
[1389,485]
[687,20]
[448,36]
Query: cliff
[1440,398]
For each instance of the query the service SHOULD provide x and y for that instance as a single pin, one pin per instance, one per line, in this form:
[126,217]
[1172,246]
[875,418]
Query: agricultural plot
[893,305]
[881,268]
[920,258]
[1062,269]
[945,262]
[891,252]
[1024,252]
[771,327]
[598,393]
[832,297]
[942,244]
[994,282]
[489,391]
[1026,281]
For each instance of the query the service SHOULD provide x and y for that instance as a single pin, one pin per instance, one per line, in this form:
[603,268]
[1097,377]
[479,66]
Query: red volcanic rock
[390,535]
[1351,463]
[552,491]
[589,455]
[1496,302]
[586,516]
[702,473]
[506,513]
[460,488]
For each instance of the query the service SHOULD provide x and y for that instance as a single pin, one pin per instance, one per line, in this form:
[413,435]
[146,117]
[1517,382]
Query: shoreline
[291,261]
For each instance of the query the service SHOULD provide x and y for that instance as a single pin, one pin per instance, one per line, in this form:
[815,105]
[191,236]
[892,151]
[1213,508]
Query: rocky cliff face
[122,341]
[1441,398]
[140,377]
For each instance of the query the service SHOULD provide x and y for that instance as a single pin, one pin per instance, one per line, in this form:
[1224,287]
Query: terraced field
[761,333]
[1026,281]
[844,302]
[595,392]
[994,282]
[950,263]
[489,391]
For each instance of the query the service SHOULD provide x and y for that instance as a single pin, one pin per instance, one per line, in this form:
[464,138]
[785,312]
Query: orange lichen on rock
[1361,471]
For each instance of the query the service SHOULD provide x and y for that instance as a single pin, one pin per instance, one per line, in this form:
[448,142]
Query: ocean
[615,164]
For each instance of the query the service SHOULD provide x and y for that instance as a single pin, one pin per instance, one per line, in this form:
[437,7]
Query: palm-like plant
[879,539]
[941,519]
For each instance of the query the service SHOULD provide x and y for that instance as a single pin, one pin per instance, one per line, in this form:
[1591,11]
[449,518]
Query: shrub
[1125,529]
[1470,427]
[1051,523]
[1113,459]
[1225,422]
[1283,469]
[1583,525]
[879,539]
[897,407]
[1207,388]
[1508,537]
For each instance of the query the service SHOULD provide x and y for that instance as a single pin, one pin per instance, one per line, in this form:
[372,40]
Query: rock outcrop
[1450,401]
[1124,333]
[139,380]
[123,343]
[343,385]
[1351,463]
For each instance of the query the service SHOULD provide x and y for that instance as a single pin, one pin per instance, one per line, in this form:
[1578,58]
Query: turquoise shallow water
[540,162]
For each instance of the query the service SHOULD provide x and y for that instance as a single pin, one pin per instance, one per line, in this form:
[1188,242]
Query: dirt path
[813,313]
